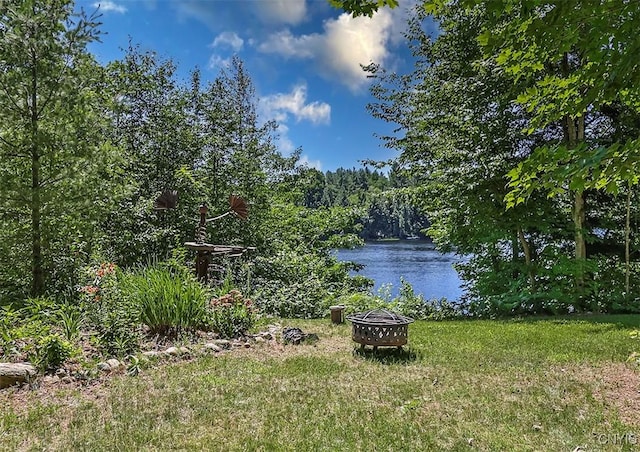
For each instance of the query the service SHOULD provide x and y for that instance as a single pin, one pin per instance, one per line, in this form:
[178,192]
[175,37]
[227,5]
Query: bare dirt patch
[617,385]
[621,389]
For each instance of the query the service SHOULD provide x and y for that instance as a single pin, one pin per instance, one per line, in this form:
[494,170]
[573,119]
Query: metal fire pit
[380,328]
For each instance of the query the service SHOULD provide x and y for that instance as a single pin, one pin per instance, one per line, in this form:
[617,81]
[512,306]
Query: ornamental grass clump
[168,300]
[232,315]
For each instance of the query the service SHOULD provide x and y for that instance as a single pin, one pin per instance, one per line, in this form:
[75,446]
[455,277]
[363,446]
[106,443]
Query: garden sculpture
[237,207]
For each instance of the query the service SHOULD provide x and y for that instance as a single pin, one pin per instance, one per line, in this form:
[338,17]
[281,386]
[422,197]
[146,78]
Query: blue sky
[303,56]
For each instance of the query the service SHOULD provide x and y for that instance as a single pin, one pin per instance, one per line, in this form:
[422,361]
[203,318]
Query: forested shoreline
[388,209]
[520,126]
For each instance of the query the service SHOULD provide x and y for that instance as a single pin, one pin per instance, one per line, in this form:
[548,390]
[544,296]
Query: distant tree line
[386,202]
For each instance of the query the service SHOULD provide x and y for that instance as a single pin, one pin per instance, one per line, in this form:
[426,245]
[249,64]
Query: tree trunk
[627,247]
[515,251]
[37,272]
[574,135]
[526,248]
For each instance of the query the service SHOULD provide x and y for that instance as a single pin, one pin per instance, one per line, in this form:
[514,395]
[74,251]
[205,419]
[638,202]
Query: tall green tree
[151,124]
[239,155]
[50,143]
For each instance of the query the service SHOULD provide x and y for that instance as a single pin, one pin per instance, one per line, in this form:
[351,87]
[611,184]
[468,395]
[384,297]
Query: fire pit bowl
[379,328]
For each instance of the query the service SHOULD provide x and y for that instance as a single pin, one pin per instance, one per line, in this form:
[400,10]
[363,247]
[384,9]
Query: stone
[296,336]
[16,373]
[184,350]
[259,339]
[105,367]
[247,345]
[223,343]
[172,351]
[267,336]
[212,347]
[114,364]
[61,373]
[67,380]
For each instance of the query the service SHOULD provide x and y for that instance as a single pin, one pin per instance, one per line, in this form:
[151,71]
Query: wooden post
[202,260]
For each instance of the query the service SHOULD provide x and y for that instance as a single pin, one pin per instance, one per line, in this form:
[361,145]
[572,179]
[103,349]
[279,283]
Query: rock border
[20,374]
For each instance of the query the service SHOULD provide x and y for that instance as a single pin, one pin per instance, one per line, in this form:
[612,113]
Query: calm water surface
[430,272]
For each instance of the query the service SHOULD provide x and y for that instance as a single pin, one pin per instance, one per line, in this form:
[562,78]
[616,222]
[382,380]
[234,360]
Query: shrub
[360,302]
[306,300]
[231,315]
[70,319]
[51,352]
[116,326]
[112,316]
[8,320]
[299,284]
[406,303]
[20,329]
[415,306]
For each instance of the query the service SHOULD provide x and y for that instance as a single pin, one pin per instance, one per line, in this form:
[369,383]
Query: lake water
[430,272]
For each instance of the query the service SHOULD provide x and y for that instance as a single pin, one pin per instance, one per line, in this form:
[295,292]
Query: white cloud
[285,145]
[287,45]
[235,15]
[228,39]
[279,106]
[305,161]
[217,62]
[283,106]
[282,11]
[345,45]
[108,5]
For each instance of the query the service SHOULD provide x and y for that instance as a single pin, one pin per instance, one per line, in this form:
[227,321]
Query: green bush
[231,315]
[406,303]
[20,329]
[168,300]
[360,302]
[417,307]
[295,284]
[70,319]
[110,315]
[306,300]
[51,352]
[116,327]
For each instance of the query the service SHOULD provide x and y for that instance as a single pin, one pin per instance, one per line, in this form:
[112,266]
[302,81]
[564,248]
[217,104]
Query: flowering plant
[232,315]
[109,312]
[100,277]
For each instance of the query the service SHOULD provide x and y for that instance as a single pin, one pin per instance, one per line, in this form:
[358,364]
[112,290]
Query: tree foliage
[53,161]
[86,149]
[517,149]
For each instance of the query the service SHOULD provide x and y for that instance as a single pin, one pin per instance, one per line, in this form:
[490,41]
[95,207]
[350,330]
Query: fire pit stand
[379,328]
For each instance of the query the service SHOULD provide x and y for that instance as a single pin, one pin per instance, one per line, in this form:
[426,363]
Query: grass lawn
[547,385]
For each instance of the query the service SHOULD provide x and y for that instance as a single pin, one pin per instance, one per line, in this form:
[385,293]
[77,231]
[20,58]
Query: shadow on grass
[391,355]
[616,321]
